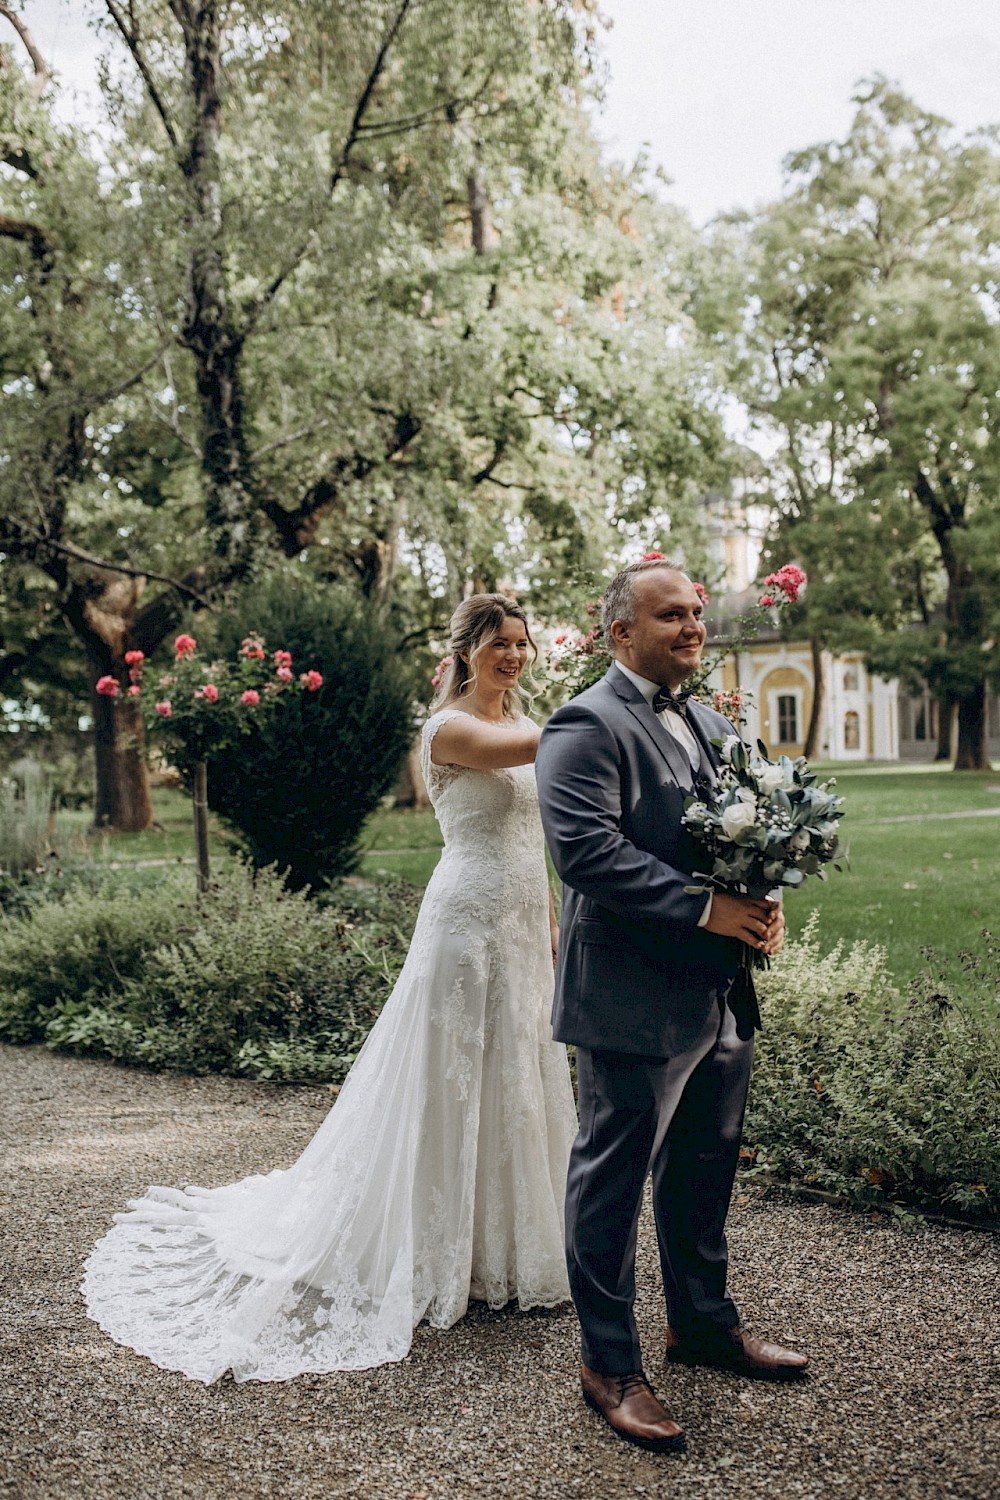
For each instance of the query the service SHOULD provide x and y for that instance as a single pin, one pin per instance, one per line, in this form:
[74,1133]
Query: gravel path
[901,1328]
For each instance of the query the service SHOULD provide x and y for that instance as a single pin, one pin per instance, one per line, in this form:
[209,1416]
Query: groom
[644,990]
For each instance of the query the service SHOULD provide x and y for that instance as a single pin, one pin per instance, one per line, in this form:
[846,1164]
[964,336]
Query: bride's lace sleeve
[435,776]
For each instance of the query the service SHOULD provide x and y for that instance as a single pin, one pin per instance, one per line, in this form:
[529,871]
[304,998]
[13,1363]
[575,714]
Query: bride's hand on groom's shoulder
[760,924]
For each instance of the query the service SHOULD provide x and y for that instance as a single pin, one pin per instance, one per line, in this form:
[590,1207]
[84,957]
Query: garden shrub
[80,951]
[875,1095]
[882,1097]
[252,980]
[300,786]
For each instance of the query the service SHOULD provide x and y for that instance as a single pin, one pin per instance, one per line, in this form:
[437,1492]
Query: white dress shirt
[677,725]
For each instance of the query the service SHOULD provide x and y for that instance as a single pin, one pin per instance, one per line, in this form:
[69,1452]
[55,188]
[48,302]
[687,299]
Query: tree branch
[67,549]
[273,287]
[112,392]
[43,73]
[296,527]
[287,439]
[131,38]
[17,157]
[22,229]
[499,449]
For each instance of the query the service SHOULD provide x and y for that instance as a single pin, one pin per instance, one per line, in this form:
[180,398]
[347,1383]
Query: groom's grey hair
[619,596]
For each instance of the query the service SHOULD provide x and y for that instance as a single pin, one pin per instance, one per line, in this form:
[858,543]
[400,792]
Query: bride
[439,1174]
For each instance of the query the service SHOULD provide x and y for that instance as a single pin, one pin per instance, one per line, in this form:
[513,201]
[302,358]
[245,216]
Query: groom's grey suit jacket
[635,972]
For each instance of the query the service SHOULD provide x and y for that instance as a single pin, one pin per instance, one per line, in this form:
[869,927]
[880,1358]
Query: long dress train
[439,1173]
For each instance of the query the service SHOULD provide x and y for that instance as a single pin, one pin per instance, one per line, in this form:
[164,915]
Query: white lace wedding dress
[439,1173]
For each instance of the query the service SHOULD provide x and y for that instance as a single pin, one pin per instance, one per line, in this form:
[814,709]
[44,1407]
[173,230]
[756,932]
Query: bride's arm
[465,741]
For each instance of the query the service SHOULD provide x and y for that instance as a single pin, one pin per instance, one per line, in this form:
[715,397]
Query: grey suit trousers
[680,1119]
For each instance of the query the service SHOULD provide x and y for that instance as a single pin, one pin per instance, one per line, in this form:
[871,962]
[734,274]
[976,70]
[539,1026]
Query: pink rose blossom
[767,600]
[133,658]
[699,589]
[253,648]
[185,645]
[284,674]
[560,638]
[107,686]
[134,690]
[165,708]
[653,556]
[311,681]
[210,692]
[282,658]
[789,579]
[250,698]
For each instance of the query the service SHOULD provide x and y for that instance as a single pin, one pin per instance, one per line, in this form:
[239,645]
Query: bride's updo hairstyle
[474,625]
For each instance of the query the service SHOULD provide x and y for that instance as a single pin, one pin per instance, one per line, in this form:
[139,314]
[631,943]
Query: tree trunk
[946,725]
[410,790]
[812,747]
[121,791]
[971,755]
[209,331]
[199,806]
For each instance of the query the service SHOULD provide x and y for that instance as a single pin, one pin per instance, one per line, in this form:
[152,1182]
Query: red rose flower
[107,687]
[250,698]
[133,658]
[165,708]
[311,681]
[185,645]
[282,658]
[210,692]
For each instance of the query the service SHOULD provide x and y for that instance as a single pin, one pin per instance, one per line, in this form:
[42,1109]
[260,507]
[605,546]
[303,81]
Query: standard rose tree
[199,708]
[581,658]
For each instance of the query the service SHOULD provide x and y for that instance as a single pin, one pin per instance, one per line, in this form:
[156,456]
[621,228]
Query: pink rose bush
[440,670]
[202,706]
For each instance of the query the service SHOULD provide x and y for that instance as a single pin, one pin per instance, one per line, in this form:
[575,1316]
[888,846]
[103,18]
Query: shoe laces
[630,1385]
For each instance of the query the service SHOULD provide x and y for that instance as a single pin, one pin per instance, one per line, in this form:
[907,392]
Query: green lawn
[173,839]
[931,881]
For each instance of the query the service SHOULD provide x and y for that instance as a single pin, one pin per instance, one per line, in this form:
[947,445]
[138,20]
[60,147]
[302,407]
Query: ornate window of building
[788,718]
[852,730]
[851,682]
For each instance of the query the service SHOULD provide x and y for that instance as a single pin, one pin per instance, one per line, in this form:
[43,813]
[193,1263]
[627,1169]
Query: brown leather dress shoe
[735,1349]
[629,1404]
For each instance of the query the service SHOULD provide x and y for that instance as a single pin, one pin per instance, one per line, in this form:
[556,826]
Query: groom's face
[665,639]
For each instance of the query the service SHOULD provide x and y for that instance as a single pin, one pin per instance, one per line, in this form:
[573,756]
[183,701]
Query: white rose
[728,743]
[737,818]
[772,777]
[746,795]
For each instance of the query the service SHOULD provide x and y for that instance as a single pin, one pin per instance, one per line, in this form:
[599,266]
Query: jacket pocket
[597,934]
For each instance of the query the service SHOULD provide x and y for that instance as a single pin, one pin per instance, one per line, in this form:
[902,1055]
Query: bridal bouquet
[764,824]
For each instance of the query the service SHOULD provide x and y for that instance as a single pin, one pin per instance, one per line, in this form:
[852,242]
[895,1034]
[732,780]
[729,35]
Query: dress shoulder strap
[427,734]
